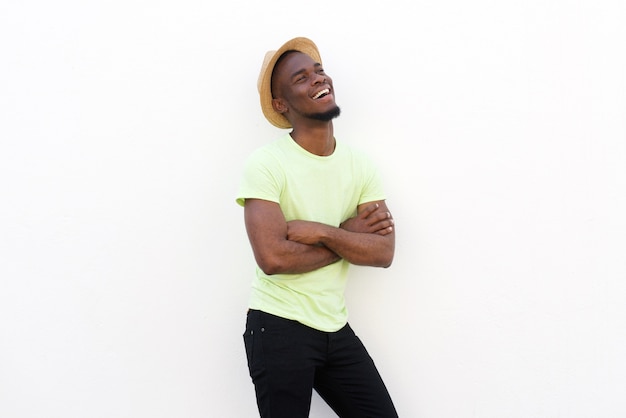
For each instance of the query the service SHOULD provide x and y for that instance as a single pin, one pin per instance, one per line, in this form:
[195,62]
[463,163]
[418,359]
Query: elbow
[269,270]
[270,265]
[386,263]
[387,259]
[386,254]
[379,262]
[382,260]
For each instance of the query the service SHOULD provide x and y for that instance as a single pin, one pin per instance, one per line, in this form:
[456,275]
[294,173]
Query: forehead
[292,63]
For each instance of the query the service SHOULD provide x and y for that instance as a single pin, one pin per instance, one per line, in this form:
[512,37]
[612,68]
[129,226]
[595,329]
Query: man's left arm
[368,239]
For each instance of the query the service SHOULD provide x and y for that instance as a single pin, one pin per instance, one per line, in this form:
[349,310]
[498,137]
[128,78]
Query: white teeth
[321,93]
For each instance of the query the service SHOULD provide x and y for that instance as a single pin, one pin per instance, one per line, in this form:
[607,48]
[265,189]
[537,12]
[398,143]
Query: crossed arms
[282,247]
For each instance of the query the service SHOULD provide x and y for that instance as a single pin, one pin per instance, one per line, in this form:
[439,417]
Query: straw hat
[264,83]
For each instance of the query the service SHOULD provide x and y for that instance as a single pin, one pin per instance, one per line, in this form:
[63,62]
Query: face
[302,89]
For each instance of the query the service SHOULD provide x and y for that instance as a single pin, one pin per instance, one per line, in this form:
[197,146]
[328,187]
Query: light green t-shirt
[312,188]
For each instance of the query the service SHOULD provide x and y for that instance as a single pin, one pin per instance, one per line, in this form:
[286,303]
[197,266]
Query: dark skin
[298,246]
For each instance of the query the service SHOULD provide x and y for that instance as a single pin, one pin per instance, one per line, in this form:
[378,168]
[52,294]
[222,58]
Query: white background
[500,127]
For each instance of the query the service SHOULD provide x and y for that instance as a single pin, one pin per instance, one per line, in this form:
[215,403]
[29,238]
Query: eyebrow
[303,70]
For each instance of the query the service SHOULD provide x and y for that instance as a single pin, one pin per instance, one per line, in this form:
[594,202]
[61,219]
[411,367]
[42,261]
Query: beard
[325,116]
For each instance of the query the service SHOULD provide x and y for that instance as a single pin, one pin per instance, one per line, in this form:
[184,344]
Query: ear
[279,105]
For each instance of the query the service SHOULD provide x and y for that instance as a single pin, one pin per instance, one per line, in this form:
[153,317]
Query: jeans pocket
[252,340]
[248,341]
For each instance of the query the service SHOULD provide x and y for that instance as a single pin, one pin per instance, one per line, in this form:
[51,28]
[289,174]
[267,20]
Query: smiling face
[302,90]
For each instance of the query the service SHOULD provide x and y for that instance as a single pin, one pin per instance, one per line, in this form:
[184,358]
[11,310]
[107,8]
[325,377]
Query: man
[312,206]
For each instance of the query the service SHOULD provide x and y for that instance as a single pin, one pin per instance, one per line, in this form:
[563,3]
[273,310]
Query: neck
[317,138]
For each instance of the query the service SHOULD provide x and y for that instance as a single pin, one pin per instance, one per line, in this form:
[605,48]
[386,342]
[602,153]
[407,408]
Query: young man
[312,207]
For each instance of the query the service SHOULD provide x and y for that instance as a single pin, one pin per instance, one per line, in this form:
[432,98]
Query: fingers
[371,219]
[384,227]
[381,223]
[369,210]
[372,214]
[377,217]
[384,232]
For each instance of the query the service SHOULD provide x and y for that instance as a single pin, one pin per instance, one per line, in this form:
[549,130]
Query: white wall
[124,264]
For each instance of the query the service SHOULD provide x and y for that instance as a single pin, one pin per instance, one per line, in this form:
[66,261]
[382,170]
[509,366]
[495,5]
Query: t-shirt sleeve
[261,179]
[373,189]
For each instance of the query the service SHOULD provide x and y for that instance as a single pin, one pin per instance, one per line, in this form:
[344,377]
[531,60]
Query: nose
[319,79]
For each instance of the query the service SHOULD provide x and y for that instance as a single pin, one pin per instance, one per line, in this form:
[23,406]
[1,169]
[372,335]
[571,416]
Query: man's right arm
[274,253]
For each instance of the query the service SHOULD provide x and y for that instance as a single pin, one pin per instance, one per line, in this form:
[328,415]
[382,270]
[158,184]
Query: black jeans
[287,360]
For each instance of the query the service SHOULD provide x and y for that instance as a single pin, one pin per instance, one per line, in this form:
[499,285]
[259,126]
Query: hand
[371,220]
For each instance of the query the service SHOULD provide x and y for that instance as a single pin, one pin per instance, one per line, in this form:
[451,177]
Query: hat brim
[264,83]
